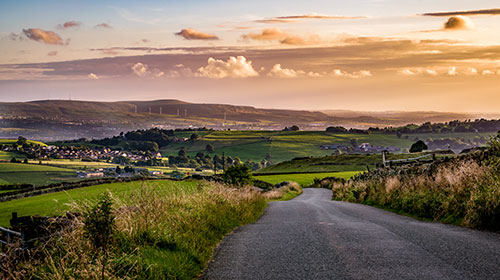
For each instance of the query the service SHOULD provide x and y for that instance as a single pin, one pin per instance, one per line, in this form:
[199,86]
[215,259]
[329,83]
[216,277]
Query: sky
[373,55]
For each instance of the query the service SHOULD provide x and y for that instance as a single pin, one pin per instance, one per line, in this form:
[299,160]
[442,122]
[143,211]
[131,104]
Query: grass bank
[462,193]
[164,231]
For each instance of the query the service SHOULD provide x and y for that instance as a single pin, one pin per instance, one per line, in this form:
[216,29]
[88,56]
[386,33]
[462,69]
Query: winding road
[313,237]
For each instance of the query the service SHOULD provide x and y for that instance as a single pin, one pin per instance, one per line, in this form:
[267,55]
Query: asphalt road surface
[313,237]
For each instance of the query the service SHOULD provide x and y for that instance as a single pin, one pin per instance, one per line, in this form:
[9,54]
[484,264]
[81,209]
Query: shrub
[238,175]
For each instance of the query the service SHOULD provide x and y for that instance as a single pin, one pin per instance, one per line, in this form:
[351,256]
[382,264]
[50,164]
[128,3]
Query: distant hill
[69,119]
[125,111]
[398,118]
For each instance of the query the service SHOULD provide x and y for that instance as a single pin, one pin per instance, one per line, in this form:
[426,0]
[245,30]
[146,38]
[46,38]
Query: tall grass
[463,193]
[291,190]
[159,235]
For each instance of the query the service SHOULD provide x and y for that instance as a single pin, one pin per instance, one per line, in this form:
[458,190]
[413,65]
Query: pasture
[18,173]
[12,141]
[59,202]
[304,179]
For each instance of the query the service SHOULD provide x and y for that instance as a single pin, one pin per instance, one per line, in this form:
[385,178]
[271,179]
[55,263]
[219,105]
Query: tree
[238,175]
[118,170]
[21,141]
[336,129]
[209,148]
[194,137]
[25,160]
[182,152]
[418,147]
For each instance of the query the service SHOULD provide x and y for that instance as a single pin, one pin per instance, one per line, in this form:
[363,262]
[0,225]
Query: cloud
[407,72]
[301,41]
[142,70]
[103,25]
[47,37]
[274,20]
[354,75]
[180,71]
[418,72]
[295,18]
[268,34]
[110,51]
[318,16]
[191,34]
[234,67]
[279,72]
[93,76]
[16,37]
[69,24]
[471,71]
[52,53]
[452,71]
[465,13]
[272,34]
[487,72]
[458,23]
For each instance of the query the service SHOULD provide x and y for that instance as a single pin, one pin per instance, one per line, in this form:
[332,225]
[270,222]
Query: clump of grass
[158,234]
[287,192]
[464,193]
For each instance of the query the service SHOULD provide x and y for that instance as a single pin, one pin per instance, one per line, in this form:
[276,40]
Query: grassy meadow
[19,173]
[163,230]
[304,179]
[12,141]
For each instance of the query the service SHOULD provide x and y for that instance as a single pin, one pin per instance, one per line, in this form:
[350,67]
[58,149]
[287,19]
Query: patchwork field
[286,145]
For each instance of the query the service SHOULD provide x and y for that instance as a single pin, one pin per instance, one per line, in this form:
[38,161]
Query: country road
[313,237]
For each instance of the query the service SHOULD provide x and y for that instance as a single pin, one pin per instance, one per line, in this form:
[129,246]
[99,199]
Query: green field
[286,145]
[304,179]
[338,163]
[12,141]
[56,203]
[18,173]
[7,156]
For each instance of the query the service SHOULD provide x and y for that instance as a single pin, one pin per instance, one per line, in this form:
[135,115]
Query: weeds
[463,193]
[158,234]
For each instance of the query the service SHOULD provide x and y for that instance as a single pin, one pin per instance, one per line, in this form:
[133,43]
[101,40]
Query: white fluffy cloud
[234,67]
[418,71]
[279,72]
[93,76]
[353,75]
[142,70]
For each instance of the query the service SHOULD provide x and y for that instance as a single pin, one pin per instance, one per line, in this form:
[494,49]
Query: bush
[418,147]
[238,175]
[99,223]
